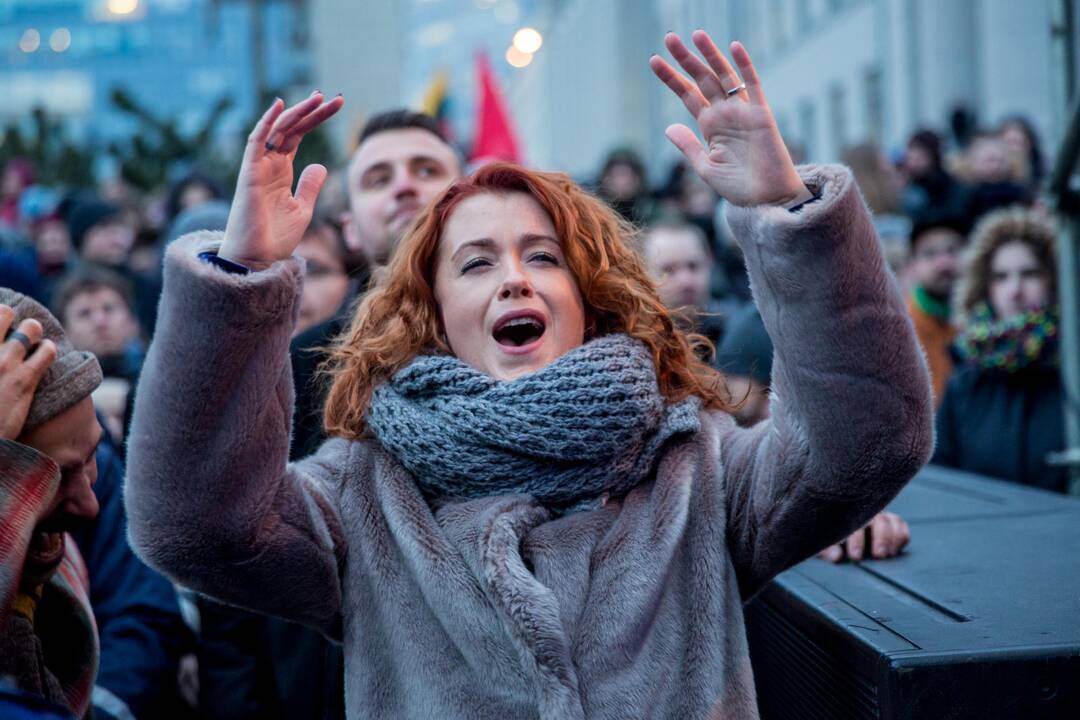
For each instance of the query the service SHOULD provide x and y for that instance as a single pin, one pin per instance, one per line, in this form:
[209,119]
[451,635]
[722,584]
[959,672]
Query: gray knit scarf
[588,425]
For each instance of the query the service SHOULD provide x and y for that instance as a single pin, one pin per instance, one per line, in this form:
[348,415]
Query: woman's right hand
[267,221]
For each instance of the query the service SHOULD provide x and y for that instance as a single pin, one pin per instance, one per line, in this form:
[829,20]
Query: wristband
[227,265]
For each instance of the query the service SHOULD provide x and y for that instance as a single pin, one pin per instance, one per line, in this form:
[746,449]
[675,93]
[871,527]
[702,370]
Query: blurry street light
[60,40]
[517,58]
[528,40]
[122,7]
[30,41]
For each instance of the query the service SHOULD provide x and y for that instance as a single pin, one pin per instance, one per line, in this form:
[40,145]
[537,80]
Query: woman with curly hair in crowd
[1002,411]
[534,503]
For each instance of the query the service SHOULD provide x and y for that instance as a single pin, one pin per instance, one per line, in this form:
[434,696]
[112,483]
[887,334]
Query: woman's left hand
[744,159]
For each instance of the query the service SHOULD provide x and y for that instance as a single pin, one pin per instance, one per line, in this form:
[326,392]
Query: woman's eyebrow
[485,243]
[528,238]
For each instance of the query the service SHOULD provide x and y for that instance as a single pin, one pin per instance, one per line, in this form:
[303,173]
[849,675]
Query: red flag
[495,138]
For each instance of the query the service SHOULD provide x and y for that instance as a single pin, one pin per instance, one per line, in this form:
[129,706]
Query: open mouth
[519,329]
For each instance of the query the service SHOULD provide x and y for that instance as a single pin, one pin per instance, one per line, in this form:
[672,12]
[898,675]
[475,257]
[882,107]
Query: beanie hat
[85,215]
[747,350]
[210,215]
[72,376]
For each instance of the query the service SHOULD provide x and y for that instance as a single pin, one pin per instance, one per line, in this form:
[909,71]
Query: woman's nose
[515,284]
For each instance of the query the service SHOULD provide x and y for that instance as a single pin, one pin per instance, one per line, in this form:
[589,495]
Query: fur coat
[493,608]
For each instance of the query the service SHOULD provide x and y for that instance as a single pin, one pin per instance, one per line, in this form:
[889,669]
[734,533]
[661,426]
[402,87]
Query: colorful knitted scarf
[590,424]
[1009,344]
[932,306]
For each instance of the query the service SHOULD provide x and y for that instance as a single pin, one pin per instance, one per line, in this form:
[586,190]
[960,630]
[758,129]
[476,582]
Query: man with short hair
[677,256]
[402,162]
[933,268]
[48,437]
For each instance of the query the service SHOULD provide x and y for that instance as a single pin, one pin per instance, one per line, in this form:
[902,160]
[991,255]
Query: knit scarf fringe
[591,424]
[1010,344]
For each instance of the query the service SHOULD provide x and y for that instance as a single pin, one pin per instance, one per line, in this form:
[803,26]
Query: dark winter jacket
[254,667]
[494,607]
[1004,425]
[138,617]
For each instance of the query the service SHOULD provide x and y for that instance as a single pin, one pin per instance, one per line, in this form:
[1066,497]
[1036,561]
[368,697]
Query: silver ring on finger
[736,90]
[22,338]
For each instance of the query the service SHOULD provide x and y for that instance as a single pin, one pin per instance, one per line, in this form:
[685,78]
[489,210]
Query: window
[838,129]
[808,129]
[874,97]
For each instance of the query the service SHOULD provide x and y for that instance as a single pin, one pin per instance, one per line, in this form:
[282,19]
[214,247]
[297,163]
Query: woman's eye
[474,263]
[545,257]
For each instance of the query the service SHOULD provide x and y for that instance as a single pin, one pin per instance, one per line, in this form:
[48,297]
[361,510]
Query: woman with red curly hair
[535,504]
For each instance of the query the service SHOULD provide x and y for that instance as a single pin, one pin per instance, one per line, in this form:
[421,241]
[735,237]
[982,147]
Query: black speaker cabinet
[979,618]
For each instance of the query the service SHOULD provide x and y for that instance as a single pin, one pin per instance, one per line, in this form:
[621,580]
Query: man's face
[989,161]
[71,439]
[108,243]
[99,321]
[393,175]
[677,260]
[935,261]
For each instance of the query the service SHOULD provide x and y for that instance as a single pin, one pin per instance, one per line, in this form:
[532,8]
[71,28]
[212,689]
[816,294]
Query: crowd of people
[962,227]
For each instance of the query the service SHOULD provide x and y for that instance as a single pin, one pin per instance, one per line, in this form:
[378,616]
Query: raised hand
[744,159]
[267,220]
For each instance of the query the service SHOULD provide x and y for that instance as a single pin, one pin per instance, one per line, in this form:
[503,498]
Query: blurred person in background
[990,172]
[679,260]
[96,308]
[17,268]
[53,250]
[685,194]
[1025,151]
[881,186]
[104,234]
[932,271]
[210,215]
[932,194]
[326,283]
[745,356]
[18,174]
[190,191]
[623,185]
[1002,411]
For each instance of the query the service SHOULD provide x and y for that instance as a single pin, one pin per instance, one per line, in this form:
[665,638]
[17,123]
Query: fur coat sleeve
[211,499]
[851,410]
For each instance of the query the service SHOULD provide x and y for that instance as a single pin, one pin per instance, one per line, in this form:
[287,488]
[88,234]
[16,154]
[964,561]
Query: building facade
[175,57]
[837,72]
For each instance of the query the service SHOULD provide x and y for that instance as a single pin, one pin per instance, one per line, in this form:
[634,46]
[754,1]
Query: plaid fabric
[49,643]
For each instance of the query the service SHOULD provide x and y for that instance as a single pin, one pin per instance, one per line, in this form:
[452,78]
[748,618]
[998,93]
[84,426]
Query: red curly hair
[399,318]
